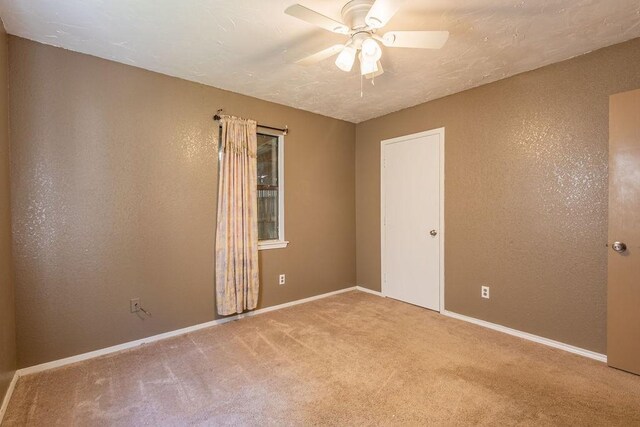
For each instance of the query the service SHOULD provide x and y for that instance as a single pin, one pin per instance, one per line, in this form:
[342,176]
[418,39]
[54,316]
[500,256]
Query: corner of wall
[8,362]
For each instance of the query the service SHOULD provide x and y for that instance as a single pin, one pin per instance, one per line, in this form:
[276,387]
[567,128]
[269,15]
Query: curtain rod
[284,130]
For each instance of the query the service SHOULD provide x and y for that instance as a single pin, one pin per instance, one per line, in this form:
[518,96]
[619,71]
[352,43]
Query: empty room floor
[350,359]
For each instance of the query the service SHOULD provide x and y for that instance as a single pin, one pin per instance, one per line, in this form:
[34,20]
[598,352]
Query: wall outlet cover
[484,292]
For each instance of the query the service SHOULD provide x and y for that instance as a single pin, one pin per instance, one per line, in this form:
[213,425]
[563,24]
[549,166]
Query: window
[270,167]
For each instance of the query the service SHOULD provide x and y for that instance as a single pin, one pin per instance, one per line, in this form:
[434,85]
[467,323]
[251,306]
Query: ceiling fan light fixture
[379,71]
[371,51]
[368,67]
[346,58]
[361,20]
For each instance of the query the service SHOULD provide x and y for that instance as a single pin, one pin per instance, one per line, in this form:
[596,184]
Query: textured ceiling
[249,46]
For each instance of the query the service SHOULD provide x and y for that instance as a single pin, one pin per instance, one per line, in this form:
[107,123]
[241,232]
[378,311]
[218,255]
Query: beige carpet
[351,359]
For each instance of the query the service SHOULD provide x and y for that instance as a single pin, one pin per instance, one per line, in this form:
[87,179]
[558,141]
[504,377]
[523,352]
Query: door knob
[433,233]
[619,247]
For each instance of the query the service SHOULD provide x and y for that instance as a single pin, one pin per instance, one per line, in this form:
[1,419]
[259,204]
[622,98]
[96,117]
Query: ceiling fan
[361,21]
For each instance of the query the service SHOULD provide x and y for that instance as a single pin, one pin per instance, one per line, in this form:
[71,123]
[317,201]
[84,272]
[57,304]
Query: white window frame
[280,242]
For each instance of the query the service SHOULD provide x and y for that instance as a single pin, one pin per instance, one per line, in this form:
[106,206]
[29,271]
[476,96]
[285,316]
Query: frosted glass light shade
[368,67]
[346,58]
[371,50]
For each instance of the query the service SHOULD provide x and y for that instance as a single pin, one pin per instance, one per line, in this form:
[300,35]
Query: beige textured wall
[114,195]
[525,194]
[7,306]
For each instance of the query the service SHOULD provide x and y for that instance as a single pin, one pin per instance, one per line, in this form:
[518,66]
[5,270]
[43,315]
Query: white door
[411,218]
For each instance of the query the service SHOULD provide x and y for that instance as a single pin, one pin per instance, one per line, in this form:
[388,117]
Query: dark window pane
[267,187]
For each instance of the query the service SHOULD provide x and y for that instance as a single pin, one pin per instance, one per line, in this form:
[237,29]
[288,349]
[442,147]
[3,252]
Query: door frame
[439,132]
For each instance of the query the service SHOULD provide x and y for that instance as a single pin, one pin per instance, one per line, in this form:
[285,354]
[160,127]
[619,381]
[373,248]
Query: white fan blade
[315,18]
[381,12]
[323,54]
[416,39]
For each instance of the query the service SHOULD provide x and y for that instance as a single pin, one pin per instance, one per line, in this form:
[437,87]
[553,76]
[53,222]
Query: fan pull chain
[361,92]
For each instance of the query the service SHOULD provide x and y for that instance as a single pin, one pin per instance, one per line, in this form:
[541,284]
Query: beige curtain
[237,227]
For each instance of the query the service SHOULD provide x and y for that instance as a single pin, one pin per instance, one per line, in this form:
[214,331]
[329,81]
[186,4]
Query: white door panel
[411,209]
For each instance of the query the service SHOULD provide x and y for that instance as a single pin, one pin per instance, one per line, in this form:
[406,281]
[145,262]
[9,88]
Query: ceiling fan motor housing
[355,12]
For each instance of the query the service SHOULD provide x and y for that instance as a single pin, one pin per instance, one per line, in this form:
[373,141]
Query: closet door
[411,222]
[623,306]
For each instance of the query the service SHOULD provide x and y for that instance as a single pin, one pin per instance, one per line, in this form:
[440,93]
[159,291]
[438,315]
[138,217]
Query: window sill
[272,244]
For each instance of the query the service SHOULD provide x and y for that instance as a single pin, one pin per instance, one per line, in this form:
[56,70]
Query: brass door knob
[433,233]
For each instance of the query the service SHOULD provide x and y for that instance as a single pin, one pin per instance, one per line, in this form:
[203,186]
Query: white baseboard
[159,337]
[527,336]
[7,396]
[131,344]
[369,291]
[516,333]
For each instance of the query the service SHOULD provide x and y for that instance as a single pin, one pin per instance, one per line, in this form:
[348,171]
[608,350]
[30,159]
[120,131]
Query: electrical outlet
[134,305]
[484,293]
[282,279]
